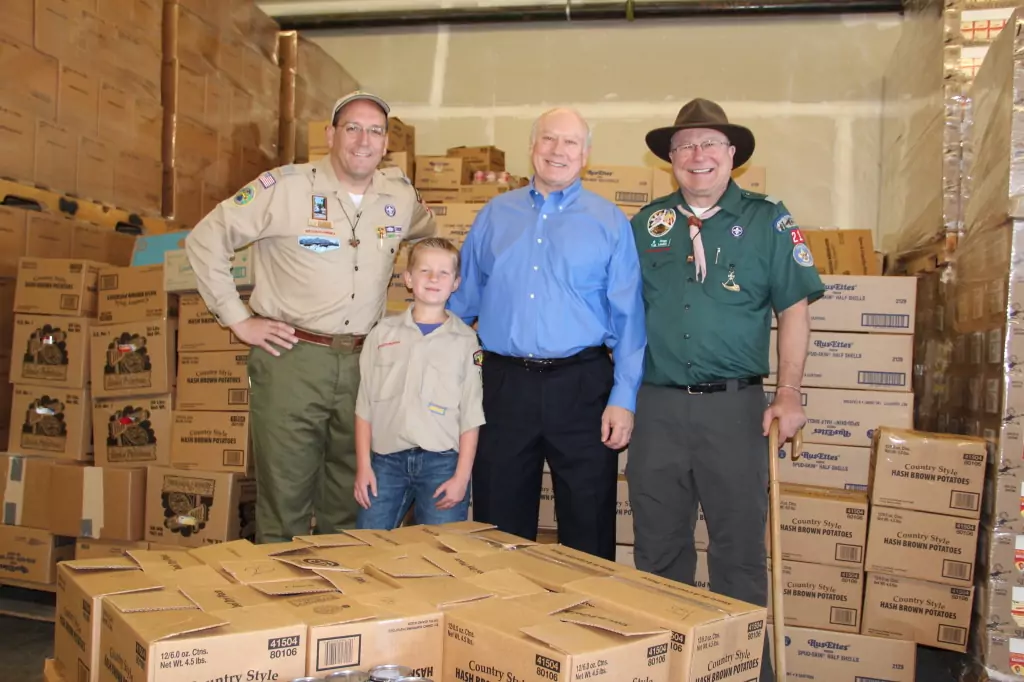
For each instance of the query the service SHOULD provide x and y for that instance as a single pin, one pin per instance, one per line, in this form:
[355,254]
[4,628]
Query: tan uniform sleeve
[231,225]
[367,358]
[471,406]
[421,224]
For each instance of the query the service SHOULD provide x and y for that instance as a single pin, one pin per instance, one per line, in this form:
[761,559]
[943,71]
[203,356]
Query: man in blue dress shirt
[551,273]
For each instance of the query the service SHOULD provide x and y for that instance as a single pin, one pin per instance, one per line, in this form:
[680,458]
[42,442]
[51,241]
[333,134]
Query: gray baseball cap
[359,94]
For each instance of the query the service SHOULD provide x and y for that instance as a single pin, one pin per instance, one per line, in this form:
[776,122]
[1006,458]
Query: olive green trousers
[302,407]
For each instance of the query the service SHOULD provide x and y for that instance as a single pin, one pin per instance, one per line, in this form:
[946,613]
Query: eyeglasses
[706,145]
[356,130]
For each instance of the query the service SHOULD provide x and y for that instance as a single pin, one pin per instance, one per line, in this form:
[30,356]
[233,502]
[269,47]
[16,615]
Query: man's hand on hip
[787,409]
[616,427]
[259,331]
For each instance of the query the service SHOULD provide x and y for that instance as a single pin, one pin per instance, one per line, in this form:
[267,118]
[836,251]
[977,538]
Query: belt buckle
[689,389]
[345,342]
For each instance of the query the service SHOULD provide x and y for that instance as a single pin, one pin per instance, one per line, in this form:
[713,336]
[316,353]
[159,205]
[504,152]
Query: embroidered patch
[736,231]
[785,222]
[267,180]
[245,195]
[319,244]
[661,221]
[802,255]
[390,210]
[393,231]
[797,235]
[478,358]
[437,409]
[319,207]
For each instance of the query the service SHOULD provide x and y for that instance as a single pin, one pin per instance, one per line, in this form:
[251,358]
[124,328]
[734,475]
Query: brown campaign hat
[703,113]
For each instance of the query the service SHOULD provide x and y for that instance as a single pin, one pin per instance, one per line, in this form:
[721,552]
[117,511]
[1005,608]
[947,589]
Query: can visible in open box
[308,679]
[348,676]
[478,177]
[389,673]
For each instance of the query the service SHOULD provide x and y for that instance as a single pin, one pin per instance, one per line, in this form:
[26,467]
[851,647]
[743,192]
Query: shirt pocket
[738,278]
[660,272]
[388,380]
[442,384]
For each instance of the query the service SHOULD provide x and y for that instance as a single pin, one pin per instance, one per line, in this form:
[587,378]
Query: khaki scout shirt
[420,391]
[302,224]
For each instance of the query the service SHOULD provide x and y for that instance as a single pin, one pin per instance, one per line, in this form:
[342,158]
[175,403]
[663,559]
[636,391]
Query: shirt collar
[563,197]
[729,202]
[411,323]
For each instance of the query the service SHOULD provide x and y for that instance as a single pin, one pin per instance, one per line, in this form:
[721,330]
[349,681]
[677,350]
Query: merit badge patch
[797,235]
[784,223]
[390,210]
[736,231]
[661,221]
[245,195]
[393,231]
[802,255]
[478,358]
[319,244]
[319,207]
[267,180]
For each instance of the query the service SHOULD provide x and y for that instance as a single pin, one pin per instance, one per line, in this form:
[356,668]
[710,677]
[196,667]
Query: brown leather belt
[349,342]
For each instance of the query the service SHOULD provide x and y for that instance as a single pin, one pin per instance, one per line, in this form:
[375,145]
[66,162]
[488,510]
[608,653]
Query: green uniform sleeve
[793,275]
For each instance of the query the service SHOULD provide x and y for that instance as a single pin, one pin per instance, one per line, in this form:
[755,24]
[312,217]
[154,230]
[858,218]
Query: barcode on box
[882,378]
[69,301]
[849,553]
[842,616]
[108,282]
[950,634]
[885,321]
[957,570]
[338,652]
[238,396]
[965,501]
[631,197]
[234,458]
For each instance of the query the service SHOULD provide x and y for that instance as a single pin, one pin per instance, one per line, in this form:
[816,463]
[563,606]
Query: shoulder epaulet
[395,173]
[749,194]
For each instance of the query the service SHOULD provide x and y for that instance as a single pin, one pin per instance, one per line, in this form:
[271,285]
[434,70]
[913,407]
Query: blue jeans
[411,476]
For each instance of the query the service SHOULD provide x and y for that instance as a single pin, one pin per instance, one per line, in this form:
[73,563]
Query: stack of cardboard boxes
[80,107]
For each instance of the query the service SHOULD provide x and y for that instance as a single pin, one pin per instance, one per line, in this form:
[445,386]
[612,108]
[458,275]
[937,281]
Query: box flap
[505,584]
[502,539]
[550,602]
[120,563]
[284,588]
[354,582]
[272,549]
[330,540]
[213,599]
[822,493]
[461,565]
[569,638]
[274,614]
[620,622]
[460,527]
[193,575]
[578,560]
[262,570]
[465,543]
[376,538]
[340,558]
[331,609]
[156,600]
[156,561]
[153,626]
[552,575]
[408,567]
[236,550]
[100,583]
[445,591]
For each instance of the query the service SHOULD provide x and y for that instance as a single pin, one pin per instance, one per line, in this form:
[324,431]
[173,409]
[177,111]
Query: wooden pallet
[34,197]
[32,601]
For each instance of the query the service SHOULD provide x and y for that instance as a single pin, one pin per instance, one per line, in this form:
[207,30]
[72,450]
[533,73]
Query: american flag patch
[267,180]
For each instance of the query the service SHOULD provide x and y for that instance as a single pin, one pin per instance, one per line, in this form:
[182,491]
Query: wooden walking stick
[778,615]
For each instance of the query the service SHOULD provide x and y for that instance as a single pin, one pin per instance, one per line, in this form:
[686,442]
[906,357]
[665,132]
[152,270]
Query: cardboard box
[51,423]
[211,441]
[928,613]
[101,244]
[546,517]
[98,503]
[552,636]
[882,362]
[179,276]
[843,417]
[134,294]
[51,351]
[198,329]
[929,472]
[196,508]
[828,466]
[480,193]
[214,381]
[401,136]
[631,185]
[822,656]
[57,286]
[132,431]
[454,220]
[922,546]
[438,172]
[713,637]
[488,158]
[623,513]
[818,596]
[823,525]
[87,548]
[32,555]
[133,358]
[25,490]
[842,252]
[865,304]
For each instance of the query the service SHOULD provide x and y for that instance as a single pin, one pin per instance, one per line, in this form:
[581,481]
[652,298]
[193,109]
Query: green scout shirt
[700,332]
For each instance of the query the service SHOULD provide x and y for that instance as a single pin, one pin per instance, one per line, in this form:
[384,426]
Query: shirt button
[545,216]
[686,307]
[540,241]
[346,323]
[534,267]
[689,364]
[689,279]
[686,336]
[530,354]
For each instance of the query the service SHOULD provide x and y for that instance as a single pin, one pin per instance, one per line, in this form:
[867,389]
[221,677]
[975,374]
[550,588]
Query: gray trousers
[707,448]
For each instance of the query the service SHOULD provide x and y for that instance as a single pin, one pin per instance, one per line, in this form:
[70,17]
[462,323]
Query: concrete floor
[24,644]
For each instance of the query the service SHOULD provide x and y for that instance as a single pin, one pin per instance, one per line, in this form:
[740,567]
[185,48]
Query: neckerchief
[695,224]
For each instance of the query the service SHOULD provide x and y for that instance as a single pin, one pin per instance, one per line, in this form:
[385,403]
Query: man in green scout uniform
[324,238]
[716,260]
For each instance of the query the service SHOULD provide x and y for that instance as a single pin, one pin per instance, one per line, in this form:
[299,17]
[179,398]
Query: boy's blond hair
[439,243]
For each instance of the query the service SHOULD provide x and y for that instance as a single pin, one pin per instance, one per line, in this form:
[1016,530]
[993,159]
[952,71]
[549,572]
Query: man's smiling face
[559,150]
[701,163]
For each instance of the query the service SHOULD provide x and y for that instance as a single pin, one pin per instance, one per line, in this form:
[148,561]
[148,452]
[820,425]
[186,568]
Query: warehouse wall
[809,87]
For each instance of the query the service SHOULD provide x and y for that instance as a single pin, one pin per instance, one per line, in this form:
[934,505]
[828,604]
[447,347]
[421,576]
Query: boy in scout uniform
[324,238]
[716,261]
[420,403]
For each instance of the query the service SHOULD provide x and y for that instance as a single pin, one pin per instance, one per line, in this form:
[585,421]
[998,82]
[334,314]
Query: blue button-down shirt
[549,277]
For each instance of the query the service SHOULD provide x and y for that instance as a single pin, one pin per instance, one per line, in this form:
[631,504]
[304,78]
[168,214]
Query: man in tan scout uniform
[324,237]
